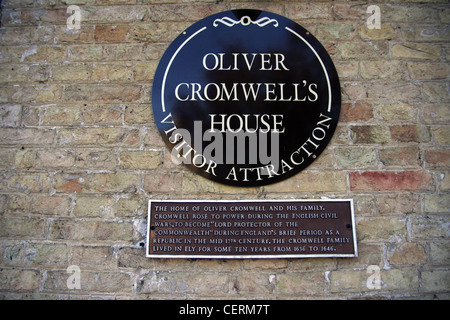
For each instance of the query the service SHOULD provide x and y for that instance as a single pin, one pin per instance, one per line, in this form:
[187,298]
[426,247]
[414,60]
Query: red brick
[404,133]
[111,33]
[370,134]
[97,182]
[163,182]
[356,112]
[386,181]
[400,156]
[438,158]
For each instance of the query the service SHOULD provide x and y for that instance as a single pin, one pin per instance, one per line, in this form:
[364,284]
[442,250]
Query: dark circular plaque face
[246,98]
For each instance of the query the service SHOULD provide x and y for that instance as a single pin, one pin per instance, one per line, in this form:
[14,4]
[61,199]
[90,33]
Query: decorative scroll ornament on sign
[245,21]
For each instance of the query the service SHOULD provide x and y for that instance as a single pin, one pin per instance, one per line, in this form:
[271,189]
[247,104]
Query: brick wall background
[80,154]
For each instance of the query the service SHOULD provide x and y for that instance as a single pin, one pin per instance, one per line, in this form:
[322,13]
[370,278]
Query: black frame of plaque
[349,224]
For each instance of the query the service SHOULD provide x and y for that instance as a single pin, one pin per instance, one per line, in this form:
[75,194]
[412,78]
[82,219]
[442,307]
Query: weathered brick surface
[80,154]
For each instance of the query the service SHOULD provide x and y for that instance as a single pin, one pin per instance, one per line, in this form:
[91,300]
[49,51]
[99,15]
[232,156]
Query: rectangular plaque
[251,229]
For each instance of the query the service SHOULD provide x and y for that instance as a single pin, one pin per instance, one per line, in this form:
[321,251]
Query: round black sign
[246,98]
